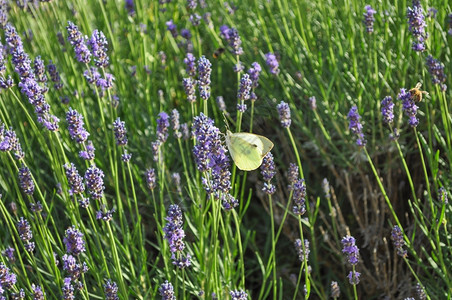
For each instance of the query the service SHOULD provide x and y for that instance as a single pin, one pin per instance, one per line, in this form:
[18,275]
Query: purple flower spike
[190,89]
[37,292]
[417,25]
[355,126]
[243,93]
[190,62]
[75,126]
[397,239]
[284,114]
[25,180]
[74,179]
[78,41]
[98,44]
[40,70]
[171,27]
[299,197]
[238,295]
[176,124]
[204,70]
[299,248]
[73,240]
[268,172]
[272,62]
[7,279]
[174,234]
[68,289]
[369,18]
[94,182]
[409,106]
[254,73]
[119,127]
[162,127]
[150,179]
[350,249]
[436,70]
[55,76]
[25,234]
[166,290]
[111,290]
[387,110]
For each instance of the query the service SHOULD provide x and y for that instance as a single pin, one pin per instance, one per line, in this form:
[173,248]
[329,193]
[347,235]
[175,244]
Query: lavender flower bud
[417,25]
[175,123]
[190,89]
[409,106]
[55,76]
[68,289]
[6,83]
[350,249]
[9,254]
[166,290]
[436,70]
[369,18]
[313,102]
[25,234]
[126,156]
[111,290]
[272,62]
[75,126]
[299,197]
[7,278]
[94,182]
[268,172]
[37,292]
[162,127]
[73,240]
[292,174]
[299,248]
[25,180]
[254,73]
[442,195]
[355,126]
[335,290]
[238,295]
[397,239]
[174,234]
[98,44]
[191,4]
[88,154]
[243,93]
[78,41]
[39,68]
[420,292]
[150,179]
[241,108]
[171,27]
[74,179]
[119,127]
[284,114]
[204,70]
[387,110]
[353,277]
[130,6]
[195,19]
[36,207]
[190,62]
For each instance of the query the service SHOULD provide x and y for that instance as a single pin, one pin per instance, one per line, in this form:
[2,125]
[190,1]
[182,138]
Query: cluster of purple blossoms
[74,269]
[299,197]
[416,22]
[254,73]
[420,291]
[98,44]
[335,290]
[9,254]
[436,70]
[78,41]
[175,177]
[397,239]
[88,153]
[4,7]
[176,124]
[130,6]
[94,182]
[174,234]
[241,108]
[150,179]
[25,234]
[243,93]
[111,290]
[73,240]
[55,76]
[162,127]
[268,172]
[6,83]
[369,18]
[119,127]
[75,181]
[172,28]
[36,207]
[191,4]
[292,174]
[166,290]
[190,62]
[92,75]
[104,214]
[210,154]
[10,142]
[39,69]
[284,114]
[387,110]
[238,295]
[409,106]
[185,33]
[442,195]
[272,62]
[26,181]
[351,250]
[302,254]
[2,59]
[231,35]
[190,89]
[7,279]
[355,126]
[75,126]
[67,289]
[204,70]
[450,24]
[195,19]
[37,292]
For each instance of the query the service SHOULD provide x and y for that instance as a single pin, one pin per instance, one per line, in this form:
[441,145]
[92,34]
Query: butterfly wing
[262,143]
[245,149]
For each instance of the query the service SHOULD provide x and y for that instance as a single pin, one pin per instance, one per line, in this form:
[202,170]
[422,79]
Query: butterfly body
[247,149]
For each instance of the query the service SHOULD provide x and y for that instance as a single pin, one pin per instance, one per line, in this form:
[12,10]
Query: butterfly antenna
[226,121]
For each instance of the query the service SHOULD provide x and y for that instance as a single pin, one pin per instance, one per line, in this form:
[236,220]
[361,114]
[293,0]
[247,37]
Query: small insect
[217,53]
[247,149]
[416,93]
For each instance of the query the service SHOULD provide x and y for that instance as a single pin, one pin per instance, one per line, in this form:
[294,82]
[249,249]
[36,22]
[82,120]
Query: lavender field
[255,149]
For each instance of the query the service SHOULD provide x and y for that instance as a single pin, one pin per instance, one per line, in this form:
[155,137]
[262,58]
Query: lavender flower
[166,290]
[397,239]
[10,142]
[73,240]
[353,277]
[190,89]
[204,70]
[416,22]
[111,290]
[119,127]
[130,6]
[292,174]
[442,195]
[190,62]
[268,172]
[284,114]
[25,234]
[335,290]
[74,179]
[238,295]
[420,292]
[104,214]
[162,127]
[75,126]
[326,188]
[185,131]
[36,207]
[98,44]
[450,24]
[9,254]
[126,156]
[243,93]
[231,35]
[3,13]
[18,296]
[37,292]
[175,122]
[7,278]
[302,254]
[272,62]
[436,70]
[432,12]
[92,75]
[241,108]
[195,19]
[88,154]
[239,67]
[67,289]
[185,33]
[74,269]
[191,4]
[409,106]
[25,180]
[150,179]
[221,104]
[369,18]
[355,126]
[171,27]
[78,41]
[313,102]
[6,83]
[55,76]
[174,234]
[254,73]
[299,197]
[94,182]
[350,249]
[39,69]
[387,110]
